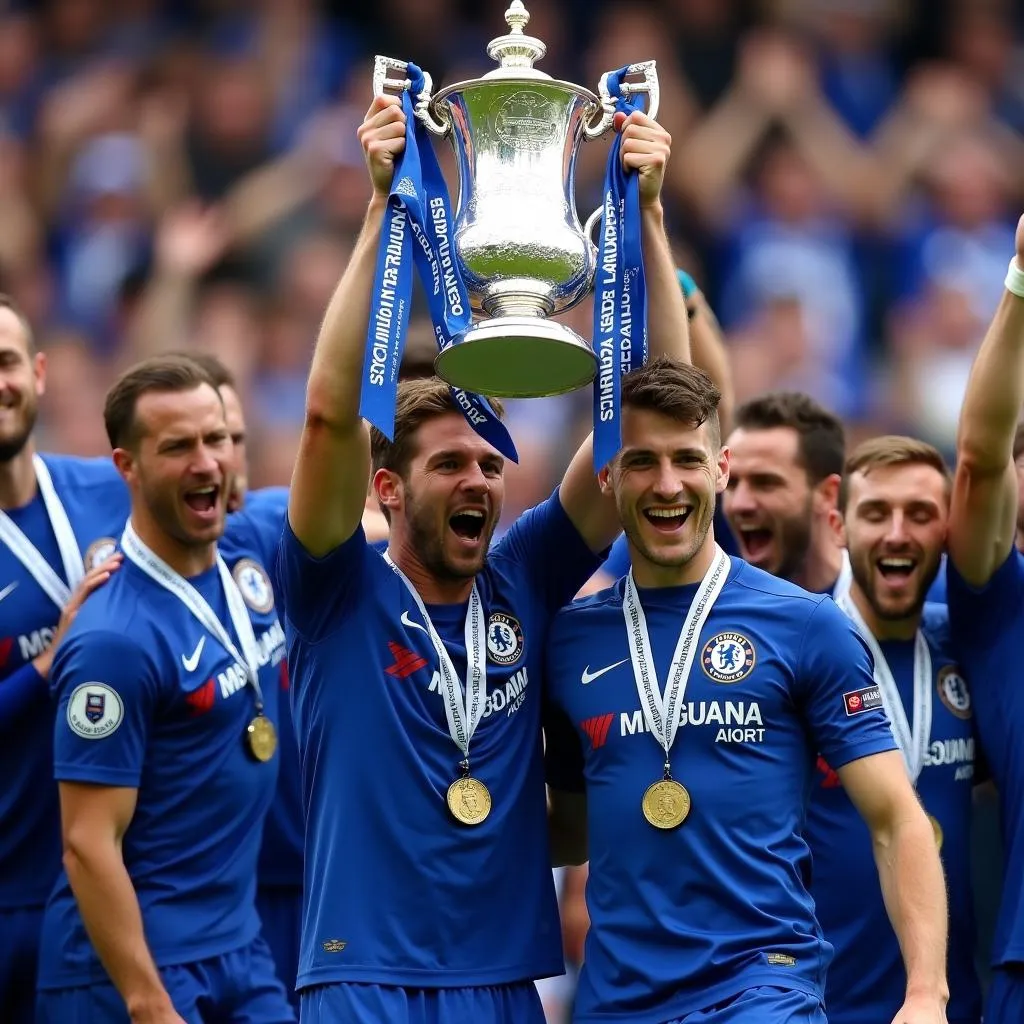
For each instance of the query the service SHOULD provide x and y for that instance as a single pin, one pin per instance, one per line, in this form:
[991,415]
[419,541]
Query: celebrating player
[58,526]
[690,798]
[986,603]
[894,503]
[166,694]
[416,904]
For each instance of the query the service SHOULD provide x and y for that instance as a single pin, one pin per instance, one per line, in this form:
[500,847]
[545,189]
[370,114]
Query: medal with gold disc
[666,803]
[261,737]
[468,799]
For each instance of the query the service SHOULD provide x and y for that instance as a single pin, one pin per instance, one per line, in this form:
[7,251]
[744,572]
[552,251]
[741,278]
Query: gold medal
[937,829]
[261,738]
[666,804]
[468,800]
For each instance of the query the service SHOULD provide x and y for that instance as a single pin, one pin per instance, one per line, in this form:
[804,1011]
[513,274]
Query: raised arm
[645,151]
[333,463]
[910,874]
[94,820]
[983,513]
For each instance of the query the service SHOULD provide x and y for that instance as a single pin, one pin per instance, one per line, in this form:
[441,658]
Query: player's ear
[39,373]
[387,486]
[838,524]
[722,470]
[124,463]
[604,479]
[827,493]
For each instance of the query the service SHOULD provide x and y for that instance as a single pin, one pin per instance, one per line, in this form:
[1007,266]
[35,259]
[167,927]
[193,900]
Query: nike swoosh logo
[406,621]
[191,662]
[589,677]
[7,589]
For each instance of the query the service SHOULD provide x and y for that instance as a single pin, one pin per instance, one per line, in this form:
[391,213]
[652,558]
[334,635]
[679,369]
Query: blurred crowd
[180,173]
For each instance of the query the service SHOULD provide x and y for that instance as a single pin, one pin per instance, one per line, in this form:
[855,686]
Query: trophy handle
[384,82]
[649,85]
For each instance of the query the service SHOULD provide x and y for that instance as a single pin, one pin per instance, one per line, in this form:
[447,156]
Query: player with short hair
[894,512]
[165,740]
[785,463]
[415,677]
[59,520]
[690,798]
[985,582]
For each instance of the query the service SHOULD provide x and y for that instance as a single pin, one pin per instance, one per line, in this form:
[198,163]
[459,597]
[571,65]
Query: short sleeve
[837,693]
[106,695]
[548,546]
[978,615]
[563,752]
[316,592]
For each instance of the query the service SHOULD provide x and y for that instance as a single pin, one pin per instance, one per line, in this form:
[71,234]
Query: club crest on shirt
[728,657]
[98,552]
[254,583]
[954,692]
[94,711]
[504,638]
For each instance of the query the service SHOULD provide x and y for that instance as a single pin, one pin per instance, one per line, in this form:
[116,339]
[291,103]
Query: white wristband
[1015,279]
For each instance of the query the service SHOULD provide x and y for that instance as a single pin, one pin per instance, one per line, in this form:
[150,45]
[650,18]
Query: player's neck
[821,568]
[647,574]
[432,590]
[185,559]
[884,629]
[18,479]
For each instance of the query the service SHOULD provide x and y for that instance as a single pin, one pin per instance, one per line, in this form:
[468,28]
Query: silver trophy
[519,245]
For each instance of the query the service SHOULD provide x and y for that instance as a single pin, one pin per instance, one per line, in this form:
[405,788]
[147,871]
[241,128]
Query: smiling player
[894,507]
[690,796]
[165,740]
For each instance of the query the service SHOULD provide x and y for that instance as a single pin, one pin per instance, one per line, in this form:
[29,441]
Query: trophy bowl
[518,242]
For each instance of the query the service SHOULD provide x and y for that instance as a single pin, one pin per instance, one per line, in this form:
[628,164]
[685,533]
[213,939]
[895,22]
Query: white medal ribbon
[912,741]
[464,707]
[157,569]
[662,711]
[842,585]
[28,554]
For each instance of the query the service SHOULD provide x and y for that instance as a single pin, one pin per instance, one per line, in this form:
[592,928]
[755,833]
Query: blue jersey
[148,698]
[281,856]
[96,502]
[987,626]
[685,919]
[396,892]
[866,981]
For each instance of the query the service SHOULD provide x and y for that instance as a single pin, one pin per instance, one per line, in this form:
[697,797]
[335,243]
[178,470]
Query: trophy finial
[517,17]
[516,52]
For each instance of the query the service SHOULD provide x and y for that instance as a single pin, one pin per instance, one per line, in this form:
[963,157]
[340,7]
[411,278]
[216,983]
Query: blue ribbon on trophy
[620,293]
[418,222]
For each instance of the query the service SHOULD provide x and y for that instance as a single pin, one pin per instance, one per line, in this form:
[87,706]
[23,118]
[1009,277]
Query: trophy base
[517,357]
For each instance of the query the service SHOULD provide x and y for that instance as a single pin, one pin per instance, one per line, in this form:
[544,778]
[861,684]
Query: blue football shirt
[280,861]
[866,980]
[397,892]
[986,626]
[684,919]
[96,502]
[147,698]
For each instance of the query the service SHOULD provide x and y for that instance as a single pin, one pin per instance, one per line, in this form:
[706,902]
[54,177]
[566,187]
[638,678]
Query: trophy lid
[516,51]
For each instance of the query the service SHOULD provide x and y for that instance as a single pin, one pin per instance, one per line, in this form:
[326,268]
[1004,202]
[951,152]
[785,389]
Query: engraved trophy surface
[518,241]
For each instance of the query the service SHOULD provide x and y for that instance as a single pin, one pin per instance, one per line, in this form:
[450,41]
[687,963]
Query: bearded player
[700,908]
[894,509]
[58,526]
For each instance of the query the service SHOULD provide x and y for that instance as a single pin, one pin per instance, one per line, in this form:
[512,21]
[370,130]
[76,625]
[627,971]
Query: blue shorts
[19,953]
[280,910]
[239,986]
[1005,1003]
[762,1005]
[353,1003]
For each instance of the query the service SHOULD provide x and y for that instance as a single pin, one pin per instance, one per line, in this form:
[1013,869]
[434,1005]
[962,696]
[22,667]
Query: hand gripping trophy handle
[649,85]
[385,81]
